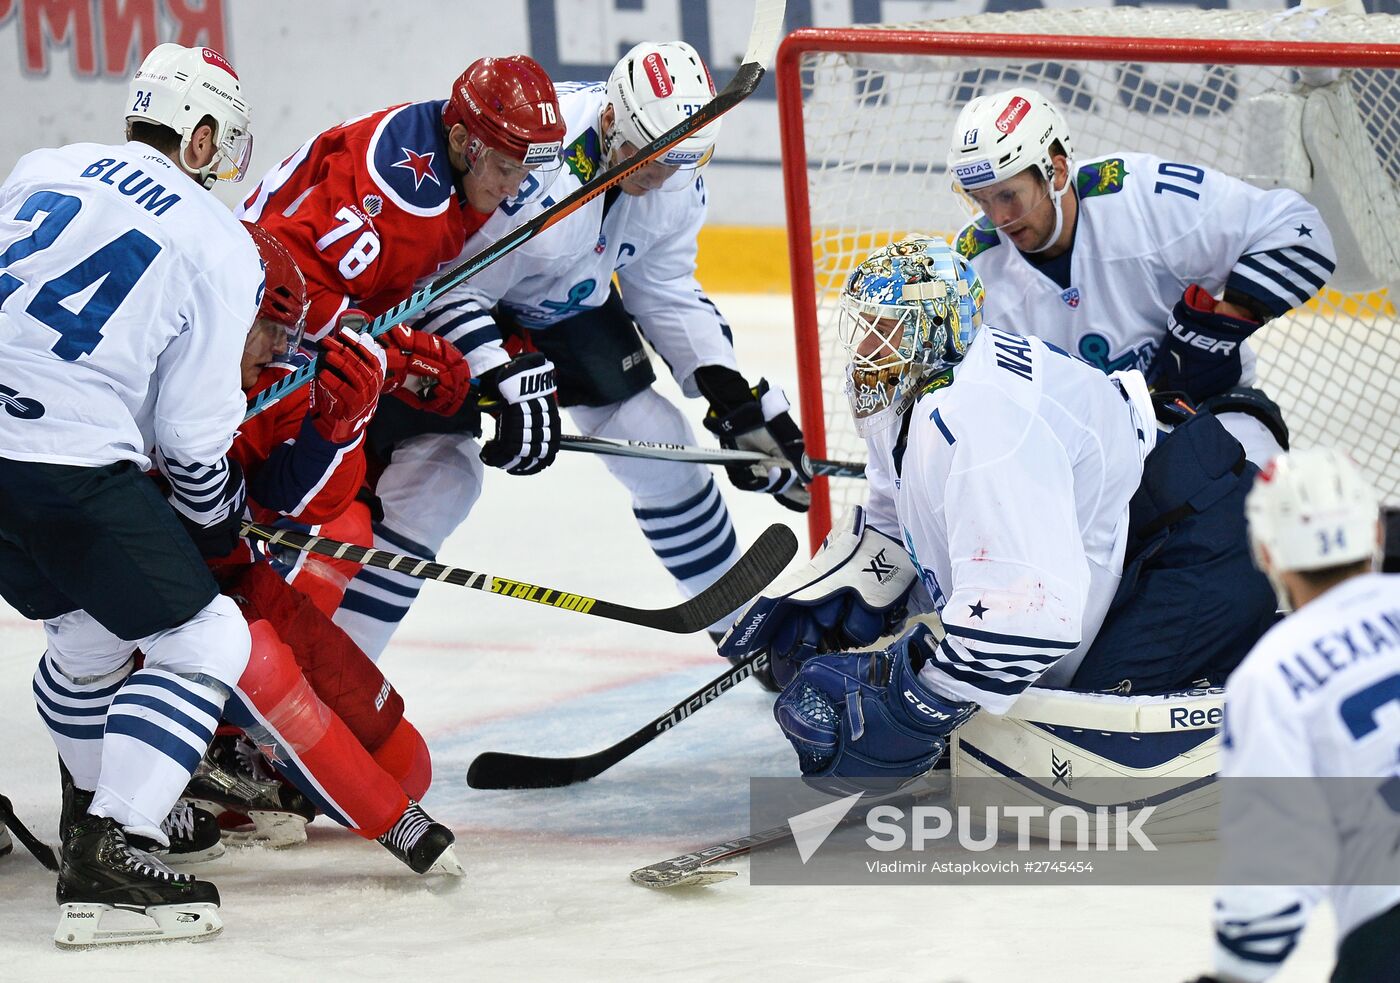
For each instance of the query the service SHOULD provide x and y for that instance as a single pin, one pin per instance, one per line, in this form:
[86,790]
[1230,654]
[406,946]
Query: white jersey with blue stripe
[649,241]
[126,294]
[1012,498]
[1147,229]
[1318,696]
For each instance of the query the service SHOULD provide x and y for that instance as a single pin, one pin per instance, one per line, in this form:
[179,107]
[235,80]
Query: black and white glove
[527,415]
[209,500]
[757,419]
[1200,353]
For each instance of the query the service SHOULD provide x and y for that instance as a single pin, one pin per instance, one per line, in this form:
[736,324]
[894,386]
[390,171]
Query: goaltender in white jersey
[1319,696]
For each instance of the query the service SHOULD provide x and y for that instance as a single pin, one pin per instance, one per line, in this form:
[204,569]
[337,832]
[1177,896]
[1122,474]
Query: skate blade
[446,863]
[88,926]
[270,830]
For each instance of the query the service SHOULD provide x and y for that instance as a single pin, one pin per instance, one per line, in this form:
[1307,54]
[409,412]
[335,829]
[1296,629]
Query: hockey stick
[763,39]
[763,561]
[653,450]
[689,869]
[500,769]
[42,851]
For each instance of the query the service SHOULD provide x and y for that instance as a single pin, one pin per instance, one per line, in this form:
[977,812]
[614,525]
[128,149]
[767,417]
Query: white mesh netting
[876,127]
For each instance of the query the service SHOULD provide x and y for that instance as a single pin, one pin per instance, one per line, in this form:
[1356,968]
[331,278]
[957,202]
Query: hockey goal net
[866,113]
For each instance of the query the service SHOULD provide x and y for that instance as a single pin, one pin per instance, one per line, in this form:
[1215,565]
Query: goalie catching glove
[863,716]
[757,419]
[522,395]
[855,590]
[1200,353]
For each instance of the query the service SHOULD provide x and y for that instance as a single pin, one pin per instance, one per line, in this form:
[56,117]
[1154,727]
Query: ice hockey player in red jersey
[310,700]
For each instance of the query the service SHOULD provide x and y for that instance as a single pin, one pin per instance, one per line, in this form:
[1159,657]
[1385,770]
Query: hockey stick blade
[763,41]
[500,769]
[692,869]
[657,451]
[753,571]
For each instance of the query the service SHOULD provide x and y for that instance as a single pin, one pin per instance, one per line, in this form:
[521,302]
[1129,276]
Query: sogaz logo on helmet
[540,153]
[1013,114]
[970,175]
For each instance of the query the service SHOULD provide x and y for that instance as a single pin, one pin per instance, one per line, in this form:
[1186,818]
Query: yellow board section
[746,259]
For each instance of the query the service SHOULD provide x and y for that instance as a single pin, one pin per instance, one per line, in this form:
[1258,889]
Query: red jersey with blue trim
[366,209]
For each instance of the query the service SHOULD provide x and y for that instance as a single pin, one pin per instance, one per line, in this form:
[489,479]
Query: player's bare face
[648,178]
[1020,208]
[267,341]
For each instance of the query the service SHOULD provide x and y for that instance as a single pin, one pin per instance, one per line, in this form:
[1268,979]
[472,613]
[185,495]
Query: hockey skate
[193,832]
[252,805]
[111,893]
[423,844]
[6,844]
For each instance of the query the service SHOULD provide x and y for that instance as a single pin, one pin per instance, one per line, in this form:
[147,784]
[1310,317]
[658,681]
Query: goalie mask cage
[866,114]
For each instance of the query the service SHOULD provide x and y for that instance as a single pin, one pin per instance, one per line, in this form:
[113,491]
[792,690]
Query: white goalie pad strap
[853,556]
[1055,748]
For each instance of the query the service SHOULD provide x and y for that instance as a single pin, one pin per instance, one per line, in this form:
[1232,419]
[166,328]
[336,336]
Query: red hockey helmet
[283,299]
[508,105]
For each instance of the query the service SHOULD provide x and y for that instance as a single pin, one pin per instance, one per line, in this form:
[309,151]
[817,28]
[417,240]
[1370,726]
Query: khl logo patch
[1071,297]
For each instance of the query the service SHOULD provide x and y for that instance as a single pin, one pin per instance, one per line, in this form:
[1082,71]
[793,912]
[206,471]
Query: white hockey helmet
[177,87]
[1311,510]
[999,136]
[655,86]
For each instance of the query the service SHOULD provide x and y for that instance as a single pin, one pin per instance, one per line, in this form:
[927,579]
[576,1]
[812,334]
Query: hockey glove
[1200,353]
[527,421]
[757,419]
[349,374]
[855,590]
[854,718]
[425,371]
[209,500]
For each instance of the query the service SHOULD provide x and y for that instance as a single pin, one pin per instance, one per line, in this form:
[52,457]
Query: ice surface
[546,893]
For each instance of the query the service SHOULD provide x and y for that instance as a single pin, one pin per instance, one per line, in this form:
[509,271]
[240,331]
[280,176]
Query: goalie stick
[500,769]
[690,869]
[653,450]
[763,39]
[753,571]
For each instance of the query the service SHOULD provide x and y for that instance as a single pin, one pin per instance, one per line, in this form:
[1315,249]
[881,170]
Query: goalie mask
[996,139]
[1311,510]
[907,312]
[176,87]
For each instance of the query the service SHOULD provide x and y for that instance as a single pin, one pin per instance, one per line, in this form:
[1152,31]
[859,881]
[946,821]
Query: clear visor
[510,179]
[1009,202]
[674,170]
[233,156]
[270,341]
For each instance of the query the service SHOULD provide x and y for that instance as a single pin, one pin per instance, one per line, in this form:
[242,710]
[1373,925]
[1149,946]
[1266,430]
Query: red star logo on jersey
[420,164]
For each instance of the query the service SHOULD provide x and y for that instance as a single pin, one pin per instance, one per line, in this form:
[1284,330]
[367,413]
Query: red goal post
[865,113]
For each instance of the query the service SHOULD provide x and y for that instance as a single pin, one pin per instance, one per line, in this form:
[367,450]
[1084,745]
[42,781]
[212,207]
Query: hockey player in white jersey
[1120,259]
[126,293]
[1318,697]
[1060,540]
[556,294]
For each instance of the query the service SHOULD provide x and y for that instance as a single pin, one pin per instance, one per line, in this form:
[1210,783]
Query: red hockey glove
[425,371]
[349,374]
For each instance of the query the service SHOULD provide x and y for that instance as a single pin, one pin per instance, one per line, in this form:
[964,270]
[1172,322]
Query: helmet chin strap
[1055,197]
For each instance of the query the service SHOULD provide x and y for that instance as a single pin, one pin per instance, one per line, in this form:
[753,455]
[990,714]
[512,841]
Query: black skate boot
[193,833]
[105,884]
[423,844]
[252,805]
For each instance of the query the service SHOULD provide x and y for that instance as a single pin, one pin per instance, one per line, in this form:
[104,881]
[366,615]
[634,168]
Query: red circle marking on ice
[1013,114]
[655,67]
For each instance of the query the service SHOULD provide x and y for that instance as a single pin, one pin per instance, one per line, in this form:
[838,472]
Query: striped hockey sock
[377,600]
[692,538]
[75,712]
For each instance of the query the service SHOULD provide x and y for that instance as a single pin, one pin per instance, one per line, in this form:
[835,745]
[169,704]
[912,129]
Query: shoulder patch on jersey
[584,155]
[940,381]
[1104,177]
[408,157]
[976,238]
